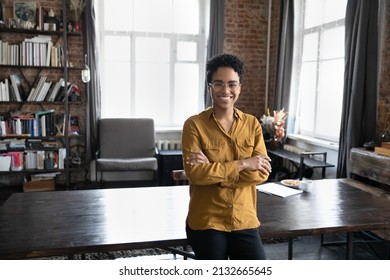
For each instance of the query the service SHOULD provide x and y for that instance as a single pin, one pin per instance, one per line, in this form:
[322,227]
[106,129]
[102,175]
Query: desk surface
[66,222]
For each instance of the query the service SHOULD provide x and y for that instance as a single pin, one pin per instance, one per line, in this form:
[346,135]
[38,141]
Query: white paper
[276,189]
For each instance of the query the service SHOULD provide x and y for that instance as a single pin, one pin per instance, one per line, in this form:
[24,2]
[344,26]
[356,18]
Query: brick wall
[246,36]
[384,76]
[246,24]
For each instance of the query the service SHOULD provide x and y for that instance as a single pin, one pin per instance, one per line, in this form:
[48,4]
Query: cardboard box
[36,186]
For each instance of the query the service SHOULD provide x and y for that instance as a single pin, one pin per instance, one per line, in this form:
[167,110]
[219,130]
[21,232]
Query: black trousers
[219,245]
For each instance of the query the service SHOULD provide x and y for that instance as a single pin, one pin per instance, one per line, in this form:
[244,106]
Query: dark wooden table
[331,206]
[70,222]
[303,160]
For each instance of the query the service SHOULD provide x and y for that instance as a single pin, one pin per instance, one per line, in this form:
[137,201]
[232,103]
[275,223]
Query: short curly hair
[224,60]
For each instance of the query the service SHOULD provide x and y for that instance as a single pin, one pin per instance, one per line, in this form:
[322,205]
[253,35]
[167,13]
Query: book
[16,82]
[33,96]
[62,92]
[45,88]
[61,158]
[53,94]
[41,121]
[17,162]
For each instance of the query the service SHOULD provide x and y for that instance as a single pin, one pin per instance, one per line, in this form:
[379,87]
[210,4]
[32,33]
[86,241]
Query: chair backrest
[127,137]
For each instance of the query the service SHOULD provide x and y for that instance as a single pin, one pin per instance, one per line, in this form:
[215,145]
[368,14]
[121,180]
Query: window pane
[307,91]
[313,13]
[310,47]
[186,51]
[118,9]
[117,48]
[186,16]
[333,43]
[152,60]
[153,15]
[116,90]
[334,10]
[186,97]
[330,98]
[152,91]
[152,50]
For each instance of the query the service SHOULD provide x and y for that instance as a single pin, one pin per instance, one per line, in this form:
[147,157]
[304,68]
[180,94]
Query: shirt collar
[237,113]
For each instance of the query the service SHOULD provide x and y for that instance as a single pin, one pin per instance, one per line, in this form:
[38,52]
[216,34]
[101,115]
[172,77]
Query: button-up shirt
[222,197]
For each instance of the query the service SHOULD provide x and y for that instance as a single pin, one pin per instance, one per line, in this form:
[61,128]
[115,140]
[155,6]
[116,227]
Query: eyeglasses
[219,86]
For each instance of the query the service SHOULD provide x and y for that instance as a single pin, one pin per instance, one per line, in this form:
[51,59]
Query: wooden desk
[332,206]
[69,222]
[303,160]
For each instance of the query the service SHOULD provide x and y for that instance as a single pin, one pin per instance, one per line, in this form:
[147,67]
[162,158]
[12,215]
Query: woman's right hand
[258,162]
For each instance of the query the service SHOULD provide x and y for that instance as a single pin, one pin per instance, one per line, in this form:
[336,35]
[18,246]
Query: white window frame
[294,107]
[200,39]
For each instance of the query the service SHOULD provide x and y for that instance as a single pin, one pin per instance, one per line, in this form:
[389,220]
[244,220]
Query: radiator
[168,145]
[286,163]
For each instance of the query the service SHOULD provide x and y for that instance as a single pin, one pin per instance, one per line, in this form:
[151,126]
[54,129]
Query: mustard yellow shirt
[221,197]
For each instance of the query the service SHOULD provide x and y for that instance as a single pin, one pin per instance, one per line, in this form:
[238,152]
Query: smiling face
[226,97]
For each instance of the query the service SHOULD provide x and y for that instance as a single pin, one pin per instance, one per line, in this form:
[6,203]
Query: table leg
[349,246]
[290,247]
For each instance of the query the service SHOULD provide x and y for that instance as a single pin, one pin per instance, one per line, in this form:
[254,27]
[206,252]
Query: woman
[224,158]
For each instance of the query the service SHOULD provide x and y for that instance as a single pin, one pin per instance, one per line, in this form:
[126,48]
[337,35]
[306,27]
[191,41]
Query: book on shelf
[4,128]
[38,87]
[44,176]
[53,94]
[41,160]
[61,158]
[4,91]
[41,123]
[34,51]
[43,92]
[40,117]
[16,82]
[17,162]
[34,144]
[5,162]
[30,160]
[62,92]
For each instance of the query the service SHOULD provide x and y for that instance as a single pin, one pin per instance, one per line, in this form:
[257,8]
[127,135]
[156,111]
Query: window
[153,56]
[318,79]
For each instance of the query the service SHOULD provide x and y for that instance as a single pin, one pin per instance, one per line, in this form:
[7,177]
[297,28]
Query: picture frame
[24,13]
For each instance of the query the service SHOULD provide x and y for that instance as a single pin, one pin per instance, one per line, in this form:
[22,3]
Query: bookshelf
[41,98]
